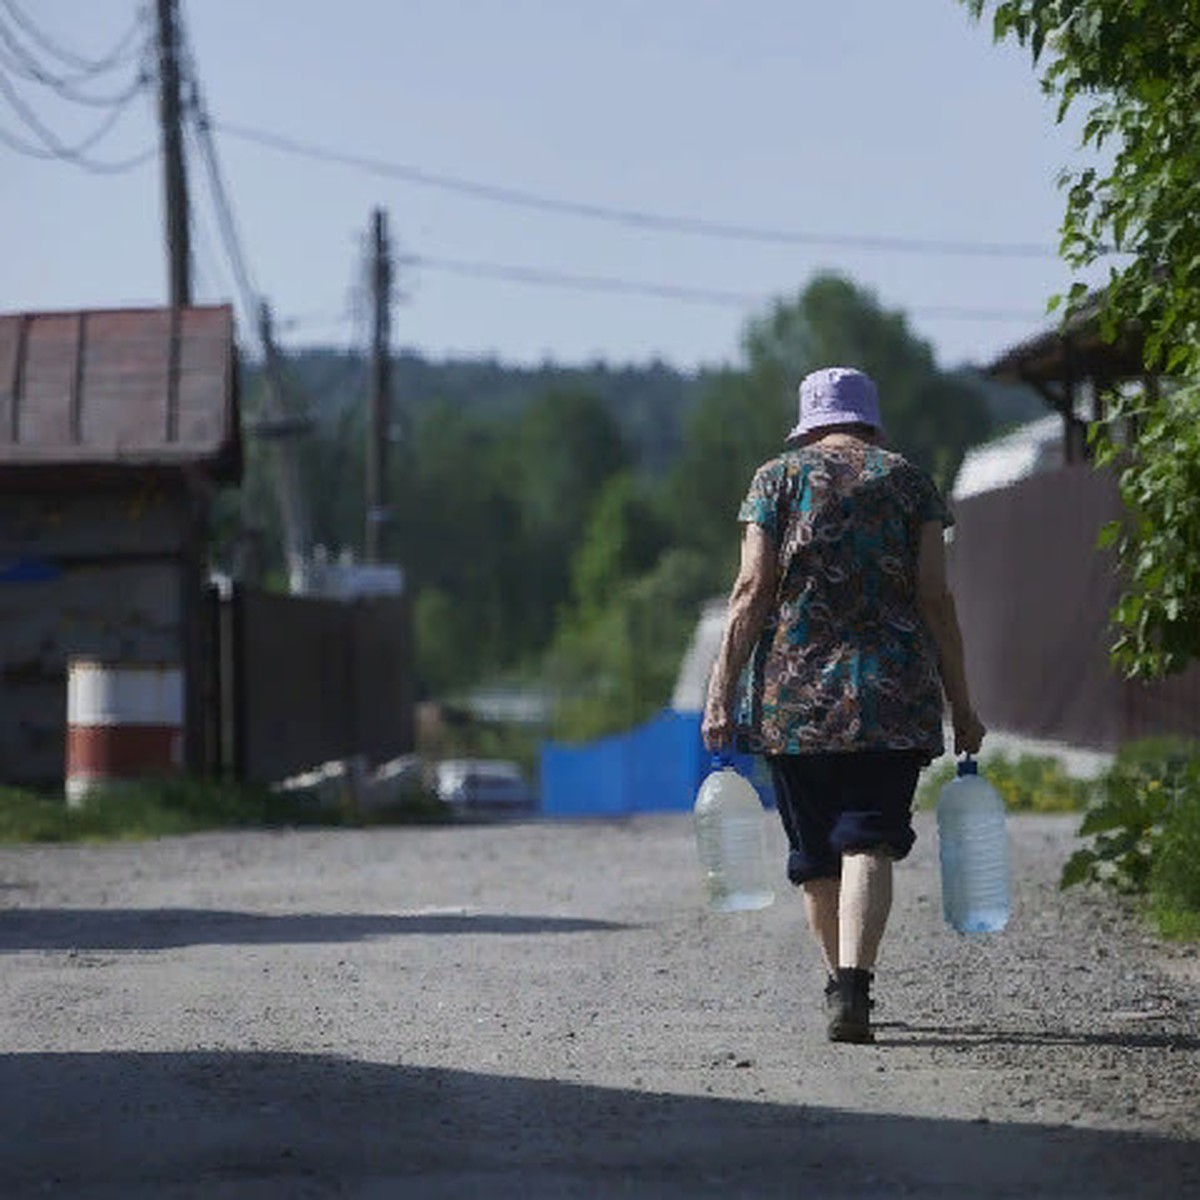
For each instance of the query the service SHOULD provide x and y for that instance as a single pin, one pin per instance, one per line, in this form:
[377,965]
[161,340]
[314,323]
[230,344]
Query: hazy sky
[843,119]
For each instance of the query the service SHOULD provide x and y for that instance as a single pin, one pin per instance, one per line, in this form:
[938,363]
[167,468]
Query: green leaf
[1079,868]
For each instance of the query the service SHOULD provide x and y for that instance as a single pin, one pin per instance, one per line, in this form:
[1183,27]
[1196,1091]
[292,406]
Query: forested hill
[649,402]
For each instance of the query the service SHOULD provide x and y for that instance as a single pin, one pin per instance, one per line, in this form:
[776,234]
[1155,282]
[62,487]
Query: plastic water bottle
[973,844]
[729,839]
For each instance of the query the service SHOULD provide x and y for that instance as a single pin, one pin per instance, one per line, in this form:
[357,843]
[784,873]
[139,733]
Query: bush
[1145,833]
[1029,783]
[1175,871]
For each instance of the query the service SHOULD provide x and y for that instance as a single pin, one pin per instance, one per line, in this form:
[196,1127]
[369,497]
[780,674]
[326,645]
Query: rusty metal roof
[120,388]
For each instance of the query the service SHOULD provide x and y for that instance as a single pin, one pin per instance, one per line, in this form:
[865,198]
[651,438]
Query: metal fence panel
[656,767]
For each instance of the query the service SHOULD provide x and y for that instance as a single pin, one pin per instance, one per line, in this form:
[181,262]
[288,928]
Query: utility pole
[281,427]
[378,410]
[175,194]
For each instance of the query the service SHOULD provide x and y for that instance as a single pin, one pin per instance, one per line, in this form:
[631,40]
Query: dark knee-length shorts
[834,803]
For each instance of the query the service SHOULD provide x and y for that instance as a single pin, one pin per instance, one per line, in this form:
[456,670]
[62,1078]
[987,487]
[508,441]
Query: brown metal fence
[1034,595]
[298,681]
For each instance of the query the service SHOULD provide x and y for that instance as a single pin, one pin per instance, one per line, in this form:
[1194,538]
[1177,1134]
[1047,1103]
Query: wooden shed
[116,427]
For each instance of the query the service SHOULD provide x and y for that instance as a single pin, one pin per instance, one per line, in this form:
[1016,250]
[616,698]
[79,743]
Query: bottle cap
[968,766]
[721,760]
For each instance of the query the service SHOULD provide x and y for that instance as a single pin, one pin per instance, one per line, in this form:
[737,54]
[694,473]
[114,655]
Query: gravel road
[544,1009]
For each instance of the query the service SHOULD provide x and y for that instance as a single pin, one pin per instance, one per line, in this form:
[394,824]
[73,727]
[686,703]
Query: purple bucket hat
[836,396]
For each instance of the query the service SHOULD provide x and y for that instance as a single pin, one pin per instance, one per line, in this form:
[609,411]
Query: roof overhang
[1072,351]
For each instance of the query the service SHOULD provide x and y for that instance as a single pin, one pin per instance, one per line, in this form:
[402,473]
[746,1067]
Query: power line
[198,128]
[16,59]
[21,61]
[603,283]
[590,283]
[87,67]
[636,218]
[44,133]
[52,147]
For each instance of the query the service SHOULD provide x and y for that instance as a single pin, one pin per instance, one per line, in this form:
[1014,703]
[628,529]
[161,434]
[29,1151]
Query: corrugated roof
[120,388]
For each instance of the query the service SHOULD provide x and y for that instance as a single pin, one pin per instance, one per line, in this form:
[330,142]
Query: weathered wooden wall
[103,573]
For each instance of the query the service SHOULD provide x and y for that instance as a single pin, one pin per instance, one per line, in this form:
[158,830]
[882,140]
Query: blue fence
[655,767]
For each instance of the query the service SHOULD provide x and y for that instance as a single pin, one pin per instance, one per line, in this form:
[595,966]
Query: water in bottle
[973,844]
[729,838]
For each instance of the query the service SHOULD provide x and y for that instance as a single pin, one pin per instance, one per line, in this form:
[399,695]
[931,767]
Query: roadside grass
[156,808]
[1031,783]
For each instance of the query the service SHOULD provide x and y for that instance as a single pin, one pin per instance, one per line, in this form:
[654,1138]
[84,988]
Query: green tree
[739,421]
[1136,67]
[458,531]
[617,666]
[744,415]
[623,539]
[555,460]
[560,452]
[931,417]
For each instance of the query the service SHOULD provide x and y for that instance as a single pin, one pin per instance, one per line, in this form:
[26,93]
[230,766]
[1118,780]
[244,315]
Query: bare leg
[821,908]
[866,901]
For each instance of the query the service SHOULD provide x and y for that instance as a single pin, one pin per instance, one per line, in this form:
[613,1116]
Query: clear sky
[848,120]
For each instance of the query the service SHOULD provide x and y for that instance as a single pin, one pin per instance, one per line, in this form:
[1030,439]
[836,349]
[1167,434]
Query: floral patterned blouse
[845,662]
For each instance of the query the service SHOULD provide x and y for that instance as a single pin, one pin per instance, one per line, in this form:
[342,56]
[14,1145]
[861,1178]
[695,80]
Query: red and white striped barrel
[124,720]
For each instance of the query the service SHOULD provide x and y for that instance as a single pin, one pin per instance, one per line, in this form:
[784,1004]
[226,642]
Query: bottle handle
[967,765]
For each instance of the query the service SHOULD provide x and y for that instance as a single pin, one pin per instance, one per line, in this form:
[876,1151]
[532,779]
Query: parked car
[484,786]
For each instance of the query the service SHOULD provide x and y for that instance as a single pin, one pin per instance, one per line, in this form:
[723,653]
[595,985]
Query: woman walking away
[843,622]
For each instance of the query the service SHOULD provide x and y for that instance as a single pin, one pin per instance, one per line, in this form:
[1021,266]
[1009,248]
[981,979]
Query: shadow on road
[162,928]
[253,1125]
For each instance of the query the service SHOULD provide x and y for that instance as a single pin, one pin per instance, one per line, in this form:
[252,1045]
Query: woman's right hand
[716,729]
[968,731]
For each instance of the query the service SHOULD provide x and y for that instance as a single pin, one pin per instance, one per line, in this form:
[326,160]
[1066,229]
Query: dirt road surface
[544,1009]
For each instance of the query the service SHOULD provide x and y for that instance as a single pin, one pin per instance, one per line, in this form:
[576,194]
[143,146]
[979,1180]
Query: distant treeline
[563,524]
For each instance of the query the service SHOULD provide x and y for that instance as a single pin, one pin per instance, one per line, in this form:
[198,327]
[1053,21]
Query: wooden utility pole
[175,195]
[281,427]
[379,407]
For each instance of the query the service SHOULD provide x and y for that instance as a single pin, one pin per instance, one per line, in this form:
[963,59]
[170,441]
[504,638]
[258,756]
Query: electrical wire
[46,135]
[200,134]
[198,129]
[591,283]
[87,67]
[603,283]
[18,60]
[210,271]
[637,218]
[53,147]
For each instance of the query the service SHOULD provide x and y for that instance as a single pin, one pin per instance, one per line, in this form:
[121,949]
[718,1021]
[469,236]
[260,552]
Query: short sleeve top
[845,662]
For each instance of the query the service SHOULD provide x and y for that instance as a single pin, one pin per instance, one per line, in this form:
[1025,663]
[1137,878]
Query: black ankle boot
[850,1009]
[833,995]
